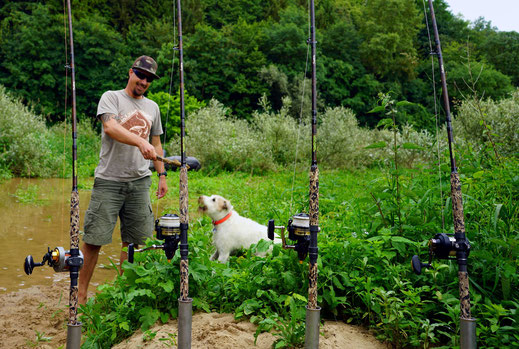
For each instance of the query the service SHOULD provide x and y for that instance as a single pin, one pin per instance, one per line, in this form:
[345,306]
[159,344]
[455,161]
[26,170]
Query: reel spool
[441,246]
[167,228]
[298,230]
[59,259]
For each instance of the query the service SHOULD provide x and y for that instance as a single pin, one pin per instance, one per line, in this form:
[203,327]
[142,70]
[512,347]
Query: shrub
[170,110]
[274,140]
[341,141]
[482,121]
[88,147]
[280,136]
[24,140]
[221,143]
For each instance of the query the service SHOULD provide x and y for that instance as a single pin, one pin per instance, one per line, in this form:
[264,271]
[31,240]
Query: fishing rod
[303,228]
[452,246]
[173,228]
[59,259]
[185,303]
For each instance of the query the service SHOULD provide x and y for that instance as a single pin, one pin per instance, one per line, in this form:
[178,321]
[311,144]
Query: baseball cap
[146,64]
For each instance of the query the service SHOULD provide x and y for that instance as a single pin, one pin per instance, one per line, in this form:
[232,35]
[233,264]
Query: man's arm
[159,167]
[113,129]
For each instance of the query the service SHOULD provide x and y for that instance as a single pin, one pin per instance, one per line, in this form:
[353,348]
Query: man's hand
[147,150]
[163,187]
[113,129]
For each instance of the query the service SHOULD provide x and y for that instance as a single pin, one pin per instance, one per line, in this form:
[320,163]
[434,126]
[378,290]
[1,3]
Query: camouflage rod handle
[168,161]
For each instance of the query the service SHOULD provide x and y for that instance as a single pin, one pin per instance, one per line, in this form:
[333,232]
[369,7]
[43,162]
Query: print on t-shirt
[137,122]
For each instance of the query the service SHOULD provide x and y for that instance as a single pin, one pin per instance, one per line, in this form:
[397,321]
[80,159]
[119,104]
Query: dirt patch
[222,331]
[36,317]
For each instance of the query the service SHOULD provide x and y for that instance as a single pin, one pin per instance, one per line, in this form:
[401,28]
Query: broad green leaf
[377,109]
[380,144]
[412,146]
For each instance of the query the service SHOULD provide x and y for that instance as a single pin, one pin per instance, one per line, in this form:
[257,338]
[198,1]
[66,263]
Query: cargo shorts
[130,201]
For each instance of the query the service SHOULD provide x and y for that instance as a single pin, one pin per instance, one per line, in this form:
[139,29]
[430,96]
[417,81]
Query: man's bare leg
[90,255]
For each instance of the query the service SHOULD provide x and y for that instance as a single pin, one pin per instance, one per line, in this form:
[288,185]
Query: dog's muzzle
[201,205]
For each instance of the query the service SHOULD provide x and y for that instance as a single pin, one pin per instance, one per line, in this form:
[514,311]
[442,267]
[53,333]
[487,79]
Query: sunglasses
[142,76]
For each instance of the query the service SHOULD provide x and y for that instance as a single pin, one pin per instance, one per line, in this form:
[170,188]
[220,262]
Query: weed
[40,337]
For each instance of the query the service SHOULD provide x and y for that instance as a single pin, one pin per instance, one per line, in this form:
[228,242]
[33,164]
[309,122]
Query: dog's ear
[226,205]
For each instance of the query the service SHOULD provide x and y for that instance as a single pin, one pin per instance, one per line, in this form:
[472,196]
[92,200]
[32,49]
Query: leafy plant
[40,337]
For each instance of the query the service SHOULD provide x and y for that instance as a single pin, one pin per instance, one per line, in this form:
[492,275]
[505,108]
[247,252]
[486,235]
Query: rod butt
[185,313]
[74,336]
[313,317]
[468,333]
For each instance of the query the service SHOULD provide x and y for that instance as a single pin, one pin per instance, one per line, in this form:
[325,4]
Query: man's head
[141,74]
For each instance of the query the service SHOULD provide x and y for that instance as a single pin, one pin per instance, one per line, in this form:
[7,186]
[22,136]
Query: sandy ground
[36,317]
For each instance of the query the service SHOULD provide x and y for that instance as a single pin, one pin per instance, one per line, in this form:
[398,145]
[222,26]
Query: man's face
[140,81]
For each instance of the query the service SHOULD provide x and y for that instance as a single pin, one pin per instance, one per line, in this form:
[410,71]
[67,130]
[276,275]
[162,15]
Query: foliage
[24,140]
[274,140]
[88,147]
[363,48]
[389,30]
[364,273]
[489,124]
[221,143]
[170,110]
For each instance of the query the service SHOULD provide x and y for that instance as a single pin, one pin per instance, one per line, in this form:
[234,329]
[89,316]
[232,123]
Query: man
[122,177]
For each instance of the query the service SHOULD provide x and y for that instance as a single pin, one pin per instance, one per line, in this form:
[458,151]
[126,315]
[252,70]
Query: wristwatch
[165,174]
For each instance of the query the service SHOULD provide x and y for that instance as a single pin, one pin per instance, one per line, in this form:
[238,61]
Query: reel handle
[28,265]
[131,251]
[270,229]
[417,265]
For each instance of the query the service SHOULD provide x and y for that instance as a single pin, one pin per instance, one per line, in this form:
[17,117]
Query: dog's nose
[201,200]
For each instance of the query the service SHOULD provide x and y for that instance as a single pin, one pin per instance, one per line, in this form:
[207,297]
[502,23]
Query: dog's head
[214,206]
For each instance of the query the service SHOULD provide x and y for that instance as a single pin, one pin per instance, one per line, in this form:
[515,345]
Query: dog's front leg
[214,256]
[223,257]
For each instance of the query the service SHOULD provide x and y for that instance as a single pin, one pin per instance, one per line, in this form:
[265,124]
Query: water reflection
[34,215]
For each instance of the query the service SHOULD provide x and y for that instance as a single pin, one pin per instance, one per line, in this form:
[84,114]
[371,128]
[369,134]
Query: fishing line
[165,127]
[65,128]
[300,115]
[436,116]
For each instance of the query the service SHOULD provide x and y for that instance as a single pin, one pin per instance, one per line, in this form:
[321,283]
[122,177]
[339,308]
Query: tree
[501,49]
[389,29]
[225,64]
[31,57]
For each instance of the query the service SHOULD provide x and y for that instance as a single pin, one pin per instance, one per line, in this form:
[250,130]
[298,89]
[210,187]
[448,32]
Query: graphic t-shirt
[122,162]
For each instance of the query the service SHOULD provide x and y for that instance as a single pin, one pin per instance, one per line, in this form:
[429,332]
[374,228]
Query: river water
[34,215]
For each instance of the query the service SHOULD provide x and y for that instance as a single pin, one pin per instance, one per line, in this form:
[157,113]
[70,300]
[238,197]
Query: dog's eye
[214,199]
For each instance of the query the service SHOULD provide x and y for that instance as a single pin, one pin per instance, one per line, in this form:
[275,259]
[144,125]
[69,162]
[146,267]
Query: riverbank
[36,317]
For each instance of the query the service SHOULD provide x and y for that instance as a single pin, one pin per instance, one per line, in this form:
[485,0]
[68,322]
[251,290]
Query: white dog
[231,231]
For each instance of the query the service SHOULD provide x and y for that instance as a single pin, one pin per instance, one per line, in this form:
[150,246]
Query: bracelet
[165,174]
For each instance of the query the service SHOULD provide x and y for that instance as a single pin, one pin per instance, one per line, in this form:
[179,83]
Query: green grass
[365,246]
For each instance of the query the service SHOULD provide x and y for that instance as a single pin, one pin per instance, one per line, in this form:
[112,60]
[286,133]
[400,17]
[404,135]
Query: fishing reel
[168,229]
[442,246]
[298,230]
[58,258]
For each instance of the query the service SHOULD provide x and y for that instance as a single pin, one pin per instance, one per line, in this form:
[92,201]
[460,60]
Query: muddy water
[34,215]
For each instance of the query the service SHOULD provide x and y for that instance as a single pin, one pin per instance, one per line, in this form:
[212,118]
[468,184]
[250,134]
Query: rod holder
[313,317]
[185,314]
[74,336]
[468,333]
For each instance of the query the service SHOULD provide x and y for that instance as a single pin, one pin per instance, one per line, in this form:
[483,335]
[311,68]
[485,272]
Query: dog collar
[223,219]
